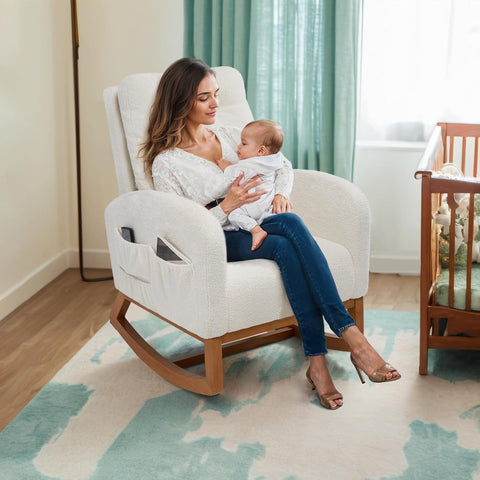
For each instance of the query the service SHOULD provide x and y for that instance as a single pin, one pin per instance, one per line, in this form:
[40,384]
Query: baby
[258,151]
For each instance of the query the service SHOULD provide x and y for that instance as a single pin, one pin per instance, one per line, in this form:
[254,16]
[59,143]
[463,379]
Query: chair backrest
[128,109]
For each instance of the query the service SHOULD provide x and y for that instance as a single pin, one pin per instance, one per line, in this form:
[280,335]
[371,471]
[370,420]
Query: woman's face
[206,103]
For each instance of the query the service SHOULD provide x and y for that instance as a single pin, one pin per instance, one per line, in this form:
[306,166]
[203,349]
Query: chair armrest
[192,294]
[336,210]
[185,224]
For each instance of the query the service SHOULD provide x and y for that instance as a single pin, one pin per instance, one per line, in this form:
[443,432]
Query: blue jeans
[306,276]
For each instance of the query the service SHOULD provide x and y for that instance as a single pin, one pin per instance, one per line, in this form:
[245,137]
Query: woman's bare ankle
[320,374]
[362,351]
[354,338]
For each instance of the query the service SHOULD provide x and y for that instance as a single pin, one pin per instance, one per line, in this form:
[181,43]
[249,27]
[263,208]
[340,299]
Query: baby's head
[260,137]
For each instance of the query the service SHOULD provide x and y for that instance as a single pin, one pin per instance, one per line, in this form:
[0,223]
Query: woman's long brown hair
[175,97]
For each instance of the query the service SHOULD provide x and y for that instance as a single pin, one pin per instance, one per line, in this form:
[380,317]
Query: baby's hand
[223,164]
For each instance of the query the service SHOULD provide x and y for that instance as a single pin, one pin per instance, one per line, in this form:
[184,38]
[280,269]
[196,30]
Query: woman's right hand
[239,195]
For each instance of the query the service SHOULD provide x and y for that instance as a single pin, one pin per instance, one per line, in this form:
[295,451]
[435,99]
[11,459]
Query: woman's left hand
[281,204]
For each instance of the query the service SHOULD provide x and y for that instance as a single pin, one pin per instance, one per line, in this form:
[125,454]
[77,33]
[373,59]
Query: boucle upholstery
[206,295]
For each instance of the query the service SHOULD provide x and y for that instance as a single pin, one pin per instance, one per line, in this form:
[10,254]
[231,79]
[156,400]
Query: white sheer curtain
[420,65]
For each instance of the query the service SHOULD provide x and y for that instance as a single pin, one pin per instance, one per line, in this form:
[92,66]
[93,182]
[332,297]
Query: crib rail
[457,144]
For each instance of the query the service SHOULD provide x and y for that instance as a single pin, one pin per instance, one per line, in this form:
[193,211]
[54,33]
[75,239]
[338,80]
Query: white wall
[37,168]
[385,173]
[36,143]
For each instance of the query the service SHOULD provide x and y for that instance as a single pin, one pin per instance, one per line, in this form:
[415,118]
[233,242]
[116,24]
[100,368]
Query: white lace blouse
[200,180]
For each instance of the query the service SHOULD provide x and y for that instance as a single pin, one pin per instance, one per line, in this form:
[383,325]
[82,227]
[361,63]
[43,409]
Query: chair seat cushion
[263,299]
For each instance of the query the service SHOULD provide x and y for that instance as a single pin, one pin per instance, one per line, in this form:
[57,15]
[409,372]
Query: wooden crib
[450,270]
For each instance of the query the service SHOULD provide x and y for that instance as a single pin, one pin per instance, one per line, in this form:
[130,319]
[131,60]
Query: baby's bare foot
[258,236]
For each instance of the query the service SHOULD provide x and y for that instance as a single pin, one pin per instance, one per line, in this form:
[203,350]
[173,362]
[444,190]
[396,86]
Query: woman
[181,151]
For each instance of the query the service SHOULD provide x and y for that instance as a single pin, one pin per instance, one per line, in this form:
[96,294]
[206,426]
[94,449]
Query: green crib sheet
[460,288]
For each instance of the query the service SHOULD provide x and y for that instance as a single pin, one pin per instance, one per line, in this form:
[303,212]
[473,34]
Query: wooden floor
[39,337]
[393,292]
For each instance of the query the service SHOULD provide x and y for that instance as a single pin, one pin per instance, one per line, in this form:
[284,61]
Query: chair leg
[358,312]
[210,384]
[214,364]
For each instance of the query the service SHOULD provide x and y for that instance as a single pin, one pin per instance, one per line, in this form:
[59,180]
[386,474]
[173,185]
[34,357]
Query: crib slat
[451,250]
[475,159]
[450,150]
[464,148]
[471,215]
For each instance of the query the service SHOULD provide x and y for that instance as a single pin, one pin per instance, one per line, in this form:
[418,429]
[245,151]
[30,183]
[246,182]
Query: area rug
[106,416]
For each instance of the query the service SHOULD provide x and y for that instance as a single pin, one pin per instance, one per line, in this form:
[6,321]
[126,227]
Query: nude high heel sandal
[379,375]
[327,397]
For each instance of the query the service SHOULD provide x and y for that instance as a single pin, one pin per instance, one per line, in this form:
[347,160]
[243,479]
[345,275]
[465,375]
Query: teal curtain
[218,32]
[299,59]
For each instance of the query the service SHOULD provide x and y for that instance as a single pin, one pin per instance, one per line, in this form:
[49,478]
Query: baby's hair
[271,134]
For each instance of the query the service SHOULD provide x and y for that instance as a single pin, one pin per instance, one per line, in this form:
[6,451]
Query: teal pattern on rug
[22,439]
[433,454]
[161,440]
[178,435]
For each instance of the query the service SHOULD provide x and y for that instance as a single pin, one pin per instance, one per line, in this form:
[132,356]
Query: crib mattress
[460,288]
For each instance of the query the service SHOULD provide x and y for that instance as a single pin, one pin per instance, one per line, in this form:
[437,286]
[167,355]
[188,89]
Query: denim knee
[291,220]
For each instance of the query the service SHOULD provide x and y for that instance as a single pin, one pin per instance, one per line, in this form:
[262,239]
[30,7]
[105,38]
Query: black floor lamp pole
[75,45]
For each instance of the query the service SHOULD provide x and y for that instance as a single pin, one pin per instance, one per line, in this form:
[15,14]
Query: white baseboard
[32,283]
[93,258]
[45,273]
[403,265]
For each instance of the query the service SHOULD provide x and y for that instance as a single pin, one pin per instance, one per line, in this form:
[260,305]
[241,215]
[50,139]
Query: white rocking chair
[230,307]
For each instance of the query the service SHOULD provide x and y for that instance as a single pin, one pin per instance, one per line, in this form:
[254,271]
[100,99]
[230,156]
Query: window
[420,65]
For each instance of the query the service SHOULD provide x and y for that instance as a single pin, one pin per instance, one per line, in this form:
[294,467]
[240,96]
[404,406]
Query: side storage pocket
[133,258]
[173,291]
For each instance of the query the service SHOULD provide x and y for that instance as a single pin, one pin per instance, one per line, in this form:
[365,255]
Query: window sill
[390,145]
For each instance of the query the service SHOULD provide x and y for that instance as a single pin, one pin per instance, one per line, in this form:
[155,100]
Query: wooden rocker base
[214,348]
